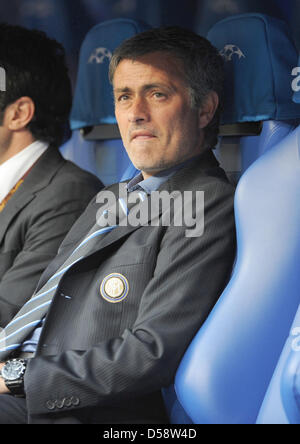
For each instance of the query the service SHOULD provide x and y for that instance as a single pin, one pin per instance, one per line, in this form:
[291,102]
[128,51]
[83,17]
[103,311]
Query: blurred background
[69,20]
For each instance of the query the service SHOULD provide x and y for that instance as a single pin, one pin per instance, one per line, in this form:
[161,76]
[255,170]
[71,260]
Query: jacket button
[75,401]
[50,405]
[60,403]
[68,402]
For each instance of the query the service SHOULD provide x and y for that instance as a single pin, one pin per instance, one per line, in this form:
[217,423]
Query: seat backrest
[106,159]
[96,143]
[281,404]
[226,370]
[259,109]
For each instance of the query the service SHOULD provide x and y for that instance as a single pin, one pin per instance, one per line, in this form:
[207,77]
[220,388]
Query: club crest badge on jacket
[114,288]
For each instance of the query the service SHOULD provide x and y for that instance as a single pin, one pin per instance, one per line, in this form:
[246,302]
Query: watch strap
[16,387]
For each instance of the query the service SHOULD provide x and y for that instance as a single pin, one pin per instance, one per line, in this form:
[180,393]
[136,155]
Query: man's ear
[20,113]
[208,109]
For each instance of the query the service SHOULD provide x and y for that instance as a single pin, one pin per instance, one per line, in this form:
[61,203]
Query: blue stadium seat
[95,144]
[226,370]
[281,404]
[259,110]
[282,401]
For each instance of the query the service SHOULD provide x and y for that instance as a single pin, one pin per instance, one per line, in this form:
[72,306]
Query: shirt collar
[154,182]
[14,168]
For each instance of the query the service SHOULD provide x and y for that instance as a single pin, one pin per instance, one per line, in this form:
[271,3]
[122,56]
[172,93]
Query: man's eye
[123,98]
[159,95]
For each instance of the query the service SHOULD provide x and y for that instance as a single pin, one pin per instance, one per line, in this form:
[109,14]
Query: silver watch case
[13,369]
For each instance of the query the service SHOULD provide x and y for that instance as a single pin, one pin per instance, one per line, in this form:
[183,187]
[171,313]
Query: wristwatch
[13,375]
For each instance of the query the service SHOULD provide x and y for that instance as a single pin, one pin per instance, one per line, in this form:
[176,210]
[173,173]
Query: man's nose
[139,110]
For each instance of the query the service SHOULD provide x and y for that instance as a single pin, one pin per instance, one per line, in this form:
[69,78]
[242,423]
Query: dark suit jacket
[35,221]
[103,362]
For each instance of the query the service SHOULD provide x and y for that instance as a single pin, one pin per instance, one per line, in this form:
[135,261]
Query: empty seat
[259,110]
[281,404]
[282,401]
[226,370]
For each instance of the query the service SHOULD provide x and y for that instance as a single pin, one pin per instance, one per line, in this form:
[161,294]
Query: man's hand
[3,388]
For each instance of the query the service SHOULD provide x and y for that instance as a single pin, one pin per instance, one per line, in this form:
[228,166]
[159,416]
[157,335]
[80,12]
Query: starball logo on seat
[99,55]
[229,51]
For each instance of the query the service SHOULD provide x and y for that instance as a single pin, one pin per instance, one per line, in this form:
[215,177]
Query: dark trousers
[12,410]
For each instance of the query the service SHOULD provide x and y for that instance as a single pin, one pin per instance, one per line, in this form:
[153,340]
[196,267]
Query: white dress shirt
[14,168]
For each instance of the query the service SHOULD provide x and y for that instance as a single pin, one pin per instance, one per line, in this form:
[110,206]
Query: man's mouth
[142,135]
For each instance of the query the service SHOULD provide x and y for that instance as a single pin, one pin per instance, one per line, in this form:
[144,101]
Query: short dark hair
[203,65]
[35,67]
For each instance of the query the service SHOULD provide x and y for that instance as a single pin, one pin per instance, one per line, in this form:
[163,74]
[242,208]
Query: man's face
[159,128]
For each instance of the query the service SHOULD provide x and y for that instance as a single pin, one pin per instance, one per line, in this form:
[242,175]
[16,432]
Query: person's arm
[190,274]
[52,216]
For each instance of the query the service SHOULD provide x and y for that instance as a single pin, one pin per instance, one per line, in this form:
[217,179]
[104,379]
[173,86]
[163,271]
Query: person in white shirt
[14,168]
[41,194]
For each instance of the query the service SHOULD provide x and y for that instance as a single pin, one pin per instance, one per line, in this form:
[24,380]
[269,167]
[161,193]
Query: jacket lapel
[36,180]
[123,226]
[181,181]
[124,230]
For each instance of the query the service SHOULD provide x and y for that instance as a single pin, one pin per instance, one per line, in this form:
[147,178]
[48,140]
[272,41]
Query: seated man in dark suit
[130,287]
[41,195]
